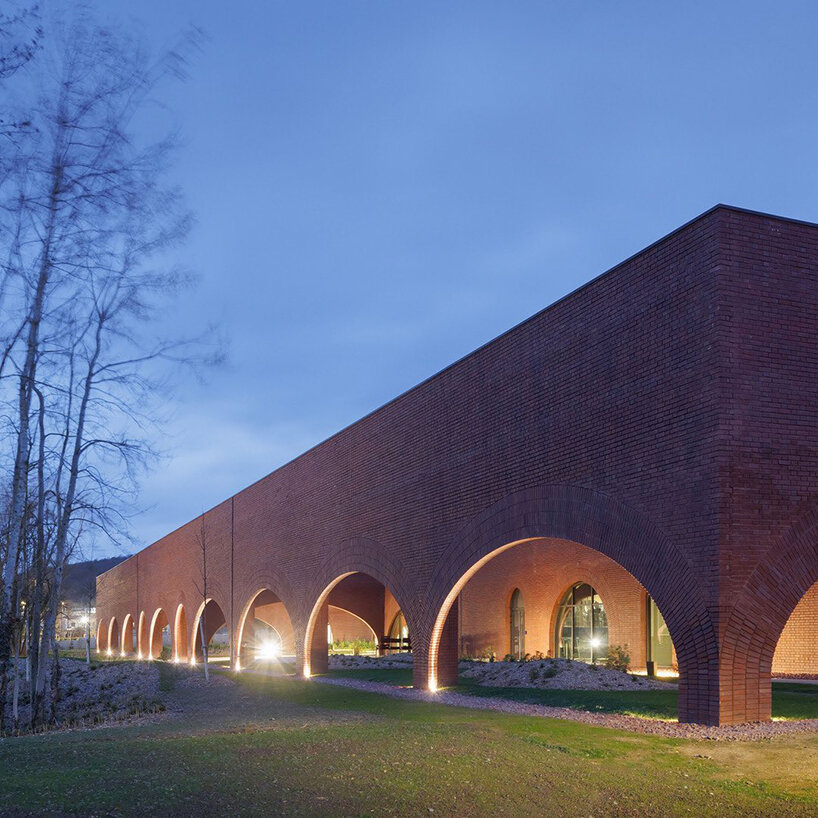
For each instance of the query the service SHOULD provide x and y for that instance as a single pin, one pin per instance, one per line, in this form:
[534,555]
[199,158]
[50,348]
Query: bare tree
[20,36]
[202,539]
[86,223]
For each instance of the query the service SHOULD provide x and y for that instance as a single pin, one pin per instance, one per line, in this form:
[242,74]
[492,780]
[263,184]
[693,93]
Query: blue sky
[381,187]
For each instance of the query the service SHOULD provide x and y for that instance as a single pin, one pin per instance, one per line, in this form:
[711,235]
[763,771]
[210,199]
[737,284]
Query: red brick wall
[797,649]
[663,415]
[348,627]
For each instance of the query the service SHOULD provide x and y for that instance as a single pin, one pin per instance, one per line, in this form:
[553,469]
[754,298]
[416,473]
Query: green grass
[272,746]
[790,700]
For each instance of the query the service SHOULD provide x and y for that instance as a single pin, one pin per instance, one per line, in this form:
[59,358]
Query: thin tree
[202,542]
[87,223]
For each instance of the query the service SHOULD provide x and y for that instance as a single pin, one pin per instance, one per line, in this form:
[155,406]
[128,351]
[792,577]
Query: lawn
[273,746]
[790,700]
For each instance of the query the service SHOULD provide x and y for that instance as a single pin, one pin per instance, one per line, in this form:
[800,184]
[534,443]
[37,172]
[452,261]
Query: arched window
[582,625]
[517,625]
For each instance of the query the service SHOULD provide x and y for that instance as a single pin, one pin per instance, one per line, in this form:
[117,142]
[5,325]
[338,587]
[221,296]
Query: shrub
[619,658]
[354,646]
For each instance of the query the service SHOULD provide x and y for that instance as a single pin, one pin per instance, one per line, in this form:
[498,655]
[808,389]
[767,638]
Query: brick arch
[113,635]
[251,599]
[359,555]
[361,619]
[209,629]
[142,637]
[252,580]
[155,637]
[761,610]
[180,643]
[126,640]
[598,521]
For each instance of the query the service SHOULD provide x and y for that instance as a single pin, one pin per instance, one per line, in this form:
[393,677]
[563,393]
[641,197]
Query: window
[582,625]
[517,625]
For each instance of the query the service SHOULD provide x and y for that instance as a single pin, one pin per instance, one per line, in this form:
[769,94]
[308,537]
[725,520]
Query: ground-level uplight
[267,651]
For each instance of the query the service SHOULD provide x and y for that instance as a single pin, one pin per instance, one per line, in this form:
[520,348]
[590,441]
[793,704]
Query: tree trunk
[204,647]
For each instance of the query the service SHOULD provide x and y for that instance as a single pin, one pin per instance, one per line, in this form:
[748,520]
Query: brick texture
[663,416]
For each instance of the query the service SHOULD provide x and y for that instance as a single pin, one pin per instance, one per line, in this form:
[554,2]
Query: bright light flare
[595,642]
[267,651]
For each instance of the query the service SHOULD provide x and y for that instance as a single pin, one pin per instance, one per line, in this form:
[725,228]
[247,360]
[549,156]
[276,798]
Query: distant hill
[80,576]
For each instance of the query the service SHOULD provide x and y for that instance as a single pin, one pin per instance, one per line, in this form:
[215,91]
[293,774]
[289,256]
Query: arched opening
[102,637]
[128,634]
[796,653]
[180,646]
[537,618]
[517,624]
[349,616]
[582,625]
[159,637]
[142,637]
[660,653]
[265,632]
[568,601]
[604,525]
[397,639]
[113,637]
[210,628]
[348,632]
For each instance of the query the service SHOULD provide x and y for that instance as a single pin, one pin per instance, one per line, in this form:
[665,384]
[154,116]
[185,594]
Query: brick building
[635,463]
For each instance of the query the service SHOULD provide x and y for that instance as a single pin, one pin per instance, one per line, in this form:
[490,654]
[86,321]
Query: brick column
[319,661]
[448,651]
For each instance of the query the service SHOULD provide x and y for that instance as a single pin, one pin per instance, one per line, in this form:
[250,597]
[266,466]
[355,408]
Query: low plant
[619,658]
[354,646]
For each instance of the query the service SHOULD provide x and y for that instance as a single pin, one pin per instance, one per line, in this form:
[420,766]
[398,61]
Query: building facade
[635,465]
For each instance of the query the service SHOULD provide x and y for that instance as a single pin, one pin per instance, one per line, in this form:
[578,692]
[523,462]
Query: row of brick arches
[663,417]
[465,607]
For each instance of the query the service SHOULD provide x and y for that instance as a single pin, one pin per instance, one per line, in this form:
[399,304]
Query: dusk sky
[382,187]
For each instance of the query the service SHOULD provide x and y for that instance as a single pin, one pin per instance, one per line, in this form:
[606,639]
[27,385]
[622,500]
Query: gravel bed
[545,674]
[669,729]
[102,693]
